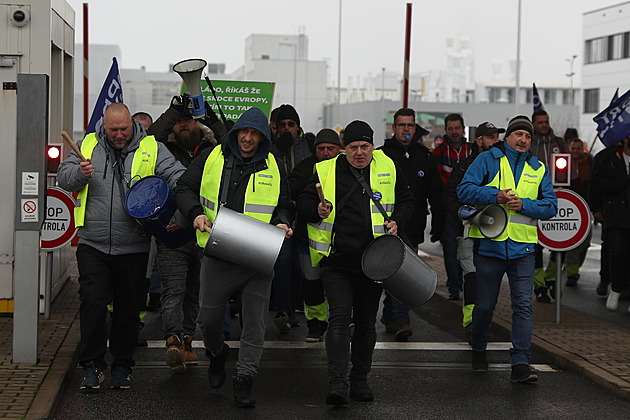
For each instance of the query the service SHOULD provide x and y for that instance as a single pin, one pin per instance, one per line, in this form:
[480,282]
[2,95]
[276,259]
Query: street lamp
[570,75]
[383,103]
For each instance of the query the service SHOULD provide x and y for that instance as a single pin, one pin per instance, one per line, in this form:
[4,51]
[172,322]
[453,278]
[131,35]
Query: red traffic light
[53,158]
[561,170]
[561,162]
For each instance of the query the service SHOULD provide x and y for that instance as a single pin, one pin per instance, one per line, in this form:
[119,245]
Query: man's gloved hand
[285,141]
[211,116]
[180,104]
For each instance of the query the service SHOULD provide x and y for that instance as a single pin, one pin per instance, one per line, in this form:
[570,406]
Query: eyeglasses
[405,125]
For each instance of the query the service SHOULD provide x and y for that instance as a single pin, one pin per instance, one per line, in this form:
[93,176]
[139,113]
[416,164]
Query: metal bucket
[152,203]
[245,241]
[403,273]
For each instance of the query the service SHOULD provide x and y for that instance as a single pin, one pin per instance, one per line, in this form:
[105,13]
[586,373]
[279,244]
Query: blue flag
[615,96]
[538,105]
[110,92]
[613,123]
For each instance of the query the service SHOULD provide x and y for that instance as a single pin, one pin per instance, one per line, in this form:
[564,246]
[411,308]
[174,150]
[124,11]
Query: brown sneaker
[190,358]
[174,354]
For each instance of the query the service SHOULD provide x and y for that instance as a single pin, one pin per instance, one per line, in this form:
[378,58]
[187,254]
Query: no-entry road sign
[58,228]
[569,227]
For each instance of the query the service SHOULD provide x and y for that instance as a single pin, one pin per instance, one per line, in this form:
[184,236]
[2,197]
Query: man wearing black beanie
[337,244]
[290,147]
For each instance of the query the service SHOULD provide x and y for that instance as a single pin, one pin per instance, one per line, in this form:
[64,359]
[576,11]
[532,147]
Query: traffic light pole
[558,284]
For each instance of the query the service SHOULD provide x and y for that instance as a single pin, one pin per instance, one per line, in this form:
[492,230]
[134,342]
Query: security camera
[20,16]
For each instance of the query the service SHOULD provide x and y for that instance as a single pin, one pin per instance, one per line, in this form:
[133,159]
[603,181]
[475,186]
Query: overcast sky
[154,33]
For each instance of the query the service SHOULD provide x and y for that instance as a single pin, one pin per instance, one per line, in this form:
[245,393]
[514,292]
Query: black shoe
[454,296]
[572,281]
[337,393]
[360,391]
[541,295]
[390,325]
[403,332]
[92,378]
[121,378]
[216,371]
[602,288]
[243,392]
[552,289]
[282,321]
[316,330]
[524,373]
[479,361]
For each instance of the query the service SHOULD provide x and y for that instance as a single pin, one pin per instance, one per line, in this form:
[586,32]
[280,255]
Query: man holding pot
[339,231]
[242,175]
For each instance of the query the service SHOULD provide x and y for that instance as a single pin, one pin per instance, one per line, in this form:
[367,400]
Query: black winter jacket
[189,183]
[610,179]
[353,224]
[422,174]
[298,179]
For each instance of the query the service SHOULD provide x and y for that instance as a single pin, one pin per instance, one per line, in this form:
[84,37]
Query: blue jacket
[472,191]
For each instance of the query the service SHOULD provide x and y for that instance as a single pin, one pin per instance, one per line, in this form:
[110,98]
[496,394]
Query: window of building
[607,48]
[510,96]
[615,47]
[494,95]
[591,101]
[549,96]
[566,97]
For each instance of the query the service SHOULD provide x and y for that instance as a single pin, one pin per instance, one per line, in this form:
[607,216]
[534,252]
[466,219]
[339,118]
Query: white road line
[432,346]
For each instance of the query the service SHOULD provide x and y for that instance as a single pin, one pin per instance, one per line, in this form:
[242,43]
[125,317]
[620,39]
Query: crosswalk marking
[433,346]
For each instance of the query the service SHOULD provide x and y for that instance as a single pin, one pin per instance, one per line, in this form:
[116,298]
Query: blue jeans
[452,229]
[395,310]
[520,274]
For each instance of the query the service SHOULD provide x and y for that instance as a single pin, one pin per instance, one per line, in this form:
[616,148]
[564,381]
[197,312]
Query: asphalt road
[428,377]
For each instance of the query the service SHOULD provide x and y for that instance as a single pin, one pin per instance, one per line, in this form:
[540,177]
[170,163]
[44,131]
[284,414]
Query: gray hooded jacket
[108,228]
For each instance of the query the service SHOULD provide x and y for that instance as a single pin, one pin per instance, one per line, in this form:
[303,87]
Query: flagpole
[518,61]
[86,68]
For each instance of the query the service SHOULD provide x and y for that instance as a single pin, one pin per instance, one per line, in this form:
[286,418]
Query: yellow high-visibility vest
[261,196]
[520,228]
[143,164]
[382,180]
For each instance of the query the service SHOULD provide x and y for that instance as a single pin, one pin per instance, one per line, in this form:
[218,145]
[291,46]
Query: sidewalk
[595,349]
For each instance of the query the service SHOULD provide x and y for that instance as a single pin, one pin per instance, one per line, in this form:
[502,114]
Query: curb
[49,394]
[565,360]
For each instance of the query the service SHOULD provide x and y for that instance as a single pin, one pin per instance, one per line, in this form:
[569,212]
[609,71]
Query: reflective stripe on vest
[261,195]
[520,228]
[143,164]
[382,180]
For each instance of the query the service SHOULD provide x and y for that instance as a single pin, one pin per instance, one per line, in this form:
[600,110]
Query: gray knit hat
[520,122]
[327,135]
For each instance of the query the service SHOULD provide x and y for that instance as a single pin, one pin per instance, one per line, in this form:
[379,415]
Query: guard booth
[36,74]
